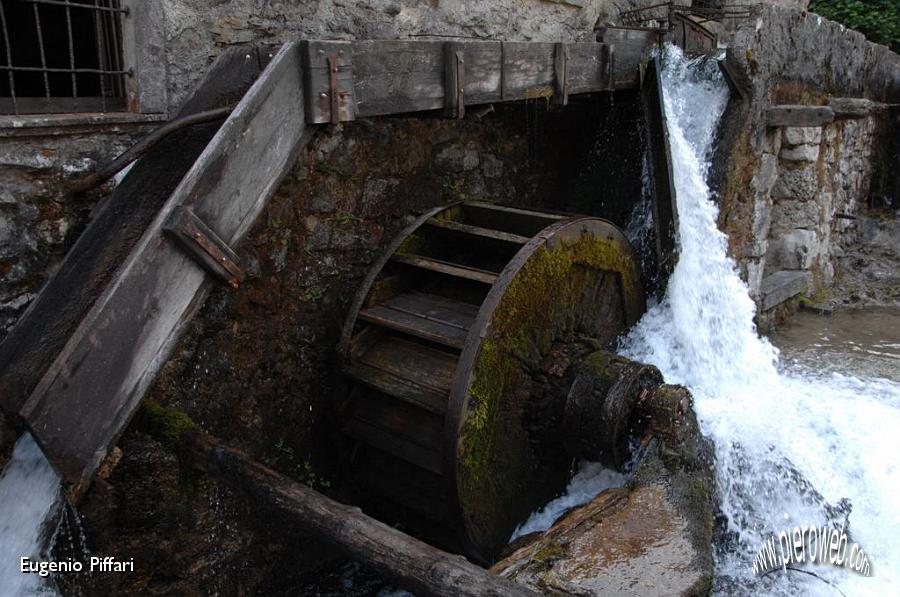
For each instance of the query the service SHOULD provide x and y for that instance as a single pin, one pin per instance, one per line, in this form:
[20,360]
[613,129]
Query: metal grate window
[61,56]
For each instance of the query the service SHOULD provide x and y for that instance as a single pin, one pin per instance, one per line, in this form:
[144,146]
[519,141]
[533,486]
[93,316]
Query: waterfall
[30,502]
[794,447]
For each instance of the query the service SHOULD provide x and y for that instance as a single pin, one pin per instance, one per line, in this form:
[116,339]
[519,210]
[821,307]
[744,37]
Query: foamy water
[795,446]
[29,506]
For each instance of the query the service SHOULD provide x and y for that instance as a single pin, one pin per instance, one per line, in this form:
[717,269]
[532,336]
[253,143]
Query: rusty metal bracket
[333,90]
[328,81]
[454,81]
[204,245]
[561,74]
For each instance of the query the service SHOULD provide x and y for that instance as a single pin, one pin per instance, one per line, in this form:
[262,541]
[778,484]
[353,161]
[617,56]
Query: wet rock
[651,537]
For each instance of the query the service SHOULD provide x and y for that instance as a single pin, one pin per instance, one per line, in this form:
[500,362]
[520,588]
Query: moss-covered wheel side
[577,278]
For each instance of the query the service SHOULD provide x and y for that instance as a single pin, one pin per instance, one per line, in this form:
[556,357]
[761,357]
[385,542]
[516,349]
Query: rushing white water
[590,480]
[793,448]
[795,445]
[29,503]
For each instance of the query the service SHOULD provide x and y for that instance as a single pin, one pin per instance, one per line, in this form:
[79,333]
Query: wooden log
[412,564]
[91,390]
[796,115]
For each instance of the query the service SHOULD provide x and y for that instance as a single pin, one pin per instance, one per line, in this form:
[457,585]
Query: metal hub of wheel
[445,349]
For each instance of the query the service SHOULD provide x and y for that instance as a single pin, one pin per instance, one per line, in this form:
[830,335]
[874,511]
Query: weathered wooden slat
[528,70]
[207,248]
[427,329]
[454,81]
[387,441]
[318,77]
[89,266]
[399,387]
[587,70]
[631,47]
[392,77]
[444,267]
[398,76]
[791,115]
[420,365]
[406,421]
[521,222]
[439,307]
[561,74]
[491,233]
[662,184]
[426,316]
[91,390]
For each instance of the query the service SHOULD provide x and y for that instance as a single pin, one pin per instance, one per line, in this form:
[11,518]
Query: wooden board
[790,115]
[631,49]
[662,183]
[445,267]
[422,365]
[425,316]
[93,387]
[92,262]
[378,77]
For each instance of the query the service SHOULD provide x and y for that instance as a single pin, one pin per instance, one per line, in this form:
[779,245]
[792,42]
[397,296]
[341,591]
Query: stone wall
[789,194]
[38,222]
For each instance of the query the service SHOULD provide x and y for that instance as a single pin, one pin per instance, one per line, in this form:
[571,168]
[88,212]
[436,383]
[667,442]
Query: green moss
[169,425]
[549,552]
[553,296]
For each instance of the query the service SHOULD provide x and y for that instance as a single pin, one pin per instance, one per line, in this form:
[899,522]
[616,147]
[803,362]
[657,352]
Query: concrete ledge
[782,286]
[72,123]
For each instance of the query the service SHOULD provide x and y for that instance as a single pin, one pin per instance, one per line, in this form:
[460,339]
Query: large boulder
[651,537]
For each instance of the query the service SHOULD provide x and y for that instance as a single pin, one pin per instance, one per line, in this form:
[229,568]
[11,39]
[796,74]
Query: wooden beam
[795,115]
[91,264]
[632,48]
[412,564]
[662,180]
[561,74]
[93,387]
[454,81]
[395,77]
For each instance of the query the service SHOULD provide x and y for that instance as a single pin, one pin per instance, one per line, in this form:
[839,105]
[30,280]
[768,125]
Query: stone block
[800,153]
[796,249]
[790,213]
[801,135]
[800,183]
[782,286]
[765,176]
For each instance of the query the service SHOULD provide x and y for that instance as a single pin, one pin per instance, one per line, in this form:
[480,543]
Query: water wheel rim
[459,399]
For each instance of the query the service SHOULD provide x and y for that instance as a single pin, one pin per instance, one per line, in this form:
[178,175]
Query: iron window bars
[61,56]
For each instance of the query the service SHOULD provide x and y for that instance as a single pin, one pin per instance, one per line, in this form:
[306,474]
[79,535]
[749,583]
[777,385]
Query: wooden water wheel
[445,351]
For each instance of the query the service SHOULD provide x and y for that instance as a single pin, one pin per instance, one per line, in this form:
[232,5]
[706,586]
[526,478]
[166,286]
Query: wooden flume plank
[477,231]
[91,390]
[379,77]
[398,387]
[444,267]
